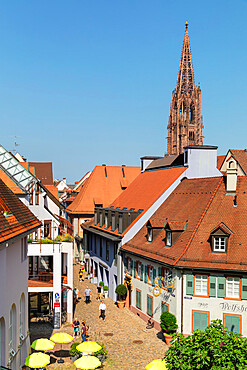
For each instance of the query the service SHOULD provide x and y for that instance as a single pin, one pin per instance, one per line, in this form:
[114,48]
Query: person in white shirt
[102,308]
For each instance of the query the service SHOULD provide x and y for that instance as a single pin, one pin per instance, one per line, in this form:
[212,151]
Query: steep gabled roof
[241,158]
[18,220]
[43,171]
[101,187]
[144,191]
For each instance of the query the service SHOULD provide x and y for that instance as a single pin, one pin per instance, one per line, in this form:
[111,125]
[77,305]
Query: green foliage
[102,351]
[168,322]
[64,238]
[105,288]
[45,241]
[101,283]
[73,351]
[121,290]
[216,348]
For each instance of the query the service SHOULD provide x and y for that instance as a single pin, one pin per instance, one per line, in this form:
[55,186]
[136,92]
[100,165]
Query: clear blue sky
[89,82]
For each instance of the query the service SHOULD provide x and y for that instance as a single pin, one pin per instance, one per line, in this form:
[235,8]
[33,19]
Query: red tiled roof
[53,190]
[241,158]
[220,160]
[145,190]
[11,184]
[205,204]
[104,185]
[43,171]
[19,218]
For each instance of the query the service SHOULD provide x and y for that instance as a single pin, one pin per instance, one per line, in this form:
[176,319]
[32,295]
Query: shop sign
[156,291]
[233,307]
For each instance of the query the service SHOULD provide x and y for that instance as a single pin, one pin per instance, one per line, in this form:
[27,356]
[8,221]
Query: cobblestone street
[125,328]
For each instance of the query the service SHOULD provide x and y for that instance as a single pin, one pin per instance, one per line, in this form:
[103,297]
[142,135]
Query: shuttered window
[244,288]
[134,269]
[232,322]
[146,274]
[189,284]
[164,307]
[141,272]
[212,286]
[154,276]
[200,320]
[221,287]
[150,305]
[138,299]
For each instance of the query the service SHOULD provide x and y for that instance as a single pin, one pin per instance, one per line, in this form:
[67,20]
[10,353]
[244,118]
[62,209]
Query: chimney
[64,180]
[231,176]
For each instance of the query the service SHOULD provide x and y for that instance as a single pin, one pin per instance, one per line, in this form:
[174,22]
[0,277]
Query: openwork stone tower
[185,121]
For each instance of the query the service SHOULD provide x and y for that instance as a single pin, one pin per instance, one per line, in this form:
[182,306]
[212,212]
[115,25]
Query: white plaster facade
[14,335]
[56,250]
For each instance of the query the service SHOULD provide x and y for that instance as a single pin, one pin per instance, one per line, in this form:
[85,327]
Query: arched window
[12,328]
[192,109]
[185,113]
[231,164]
[2,341]
[22,315]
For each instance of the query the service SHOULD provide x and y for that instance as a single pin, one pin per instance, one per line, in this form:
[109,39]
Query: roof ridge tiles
[199,222]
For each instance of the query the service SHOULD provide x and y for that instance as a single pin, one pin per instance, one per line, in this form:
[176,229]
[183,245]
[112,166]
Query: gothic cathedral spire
[185,121]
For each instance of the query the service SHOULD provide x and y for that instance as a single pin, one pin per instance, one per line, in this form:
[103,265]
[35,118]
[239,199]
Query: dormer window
[219,238]
[150,235]
[219,244]
[168,238]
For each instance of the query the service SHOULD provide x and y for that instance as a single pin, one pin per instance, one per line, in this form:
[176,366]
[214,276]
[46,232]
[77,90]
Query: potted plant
[121,291]
[105,289]
[168,324]
[74,353]
[101,354]
[101,283]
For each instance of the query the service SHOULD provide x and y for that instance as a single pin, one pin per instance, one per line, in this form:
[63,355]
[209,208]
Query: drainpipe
[182,302]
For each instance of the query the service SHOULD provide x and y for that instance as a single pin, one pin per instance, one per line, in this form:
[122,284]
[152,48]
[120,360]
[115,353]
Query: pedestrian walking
[76,327]
[102,308]
[99,292]
[83,331]
[80,275]
[87,294]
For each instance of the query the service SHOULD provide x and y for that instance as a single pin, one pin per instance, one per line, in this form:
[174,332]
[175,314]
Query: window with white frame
[150,274]
[201,285]
[232,287]
[168,238]
[138,269]
[150,235]
[219,244]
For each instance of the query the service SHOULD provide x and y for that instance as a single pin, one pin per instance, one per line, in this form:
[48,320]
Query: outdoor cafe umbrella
[61,338]
[37,360]
[43,344]
[88,347]
[157,365]
[87,362]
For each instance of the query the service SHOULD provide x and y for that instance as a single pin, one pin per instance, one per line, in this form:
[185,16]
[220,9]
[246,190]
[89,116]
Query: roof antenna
[16,145]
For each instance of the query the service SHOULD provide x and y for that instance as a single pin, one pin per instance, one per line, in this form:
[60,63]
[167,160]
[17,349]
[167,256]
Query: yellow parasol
[43,344]
[87,362]
[157,365]
[88,347]
[37,360]
[61,338]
